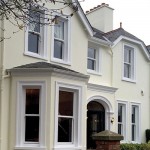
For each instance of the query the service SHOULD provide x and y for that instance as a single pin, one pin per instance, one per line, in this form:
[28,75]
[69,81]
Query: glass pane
[32,101]
[91,53]
[58,49]
[65,103]
[119,113]
[133,132]
[33,42]
[32,129]
[119,129]
[127,71]
[34,21]
[59,30]
[91,64]
[65,129]
[133,114]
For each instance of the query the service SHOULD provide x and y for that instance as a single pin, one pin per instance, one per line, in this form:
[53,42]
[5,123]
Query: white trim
[108,109]
[134,41]
[99,88]
[125,120]
[83,18]
[20,113]
[133,69]
[67,41]
[98,59]
[43,44]
[76,144]
[100,41]
[138,114]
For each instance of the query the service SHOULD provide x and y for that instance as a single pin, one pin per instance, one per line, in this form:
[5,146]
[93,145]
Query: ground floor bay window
[30,115]
[67,129]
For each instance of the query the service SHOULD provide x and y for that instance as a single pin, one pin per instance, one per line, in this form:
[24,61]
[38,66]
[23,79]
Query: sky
[134,15]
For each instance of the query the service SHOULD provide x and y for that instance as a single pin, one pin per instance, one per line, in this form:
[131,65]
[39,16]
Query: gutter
[100,41]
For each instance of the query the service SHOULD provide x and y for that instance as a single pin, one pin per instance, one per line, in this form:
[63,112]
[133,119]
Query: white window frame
[66,54]
[42,54]
[137,122]
[77,131]
[20,113]
[98,59]
[132,64]
[124,119]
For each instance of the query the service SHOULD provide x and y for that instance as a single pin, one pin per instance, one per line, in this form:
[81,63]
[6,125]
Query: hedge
[135,146]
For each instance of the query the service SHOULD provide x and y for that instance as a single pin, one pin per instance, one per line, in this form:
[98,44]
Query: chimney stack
[101,17]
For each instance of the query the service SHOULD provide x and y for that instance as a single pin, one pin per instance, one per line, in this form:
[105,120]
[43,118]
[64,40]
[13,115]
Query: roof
[44,66]
[115,34]
[99,34]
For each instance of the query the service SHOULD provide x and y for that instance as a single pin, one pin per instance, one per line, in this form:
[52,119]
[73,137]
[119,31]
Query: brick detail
[107,145]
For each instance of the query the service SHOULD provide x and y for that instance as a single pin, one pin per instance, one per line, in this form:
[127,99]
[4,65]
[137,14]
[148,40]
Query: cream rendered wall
[105,76]
[15,46]
[101,18]
[131,92]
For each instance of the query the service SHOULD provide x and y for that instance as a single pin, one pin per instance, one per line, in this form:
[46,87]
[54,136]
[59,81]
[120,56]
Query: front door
[95,122]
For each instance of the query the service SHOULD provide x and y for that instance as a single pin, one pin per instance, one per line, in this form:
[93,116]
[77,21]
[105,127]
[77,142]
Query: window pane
[133,132]
[58,49]
[32,101]
[32,129]
[133,114]
[91,53]
[33,42]
[119,129]
[91,64]
[65,129]
[127,71]
[59,30]
[34,21]
[65,103]
[119,113]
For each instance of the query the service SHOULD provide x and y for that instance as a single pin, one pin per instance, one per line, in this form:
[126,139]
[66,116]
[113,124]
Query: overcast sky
[134,15]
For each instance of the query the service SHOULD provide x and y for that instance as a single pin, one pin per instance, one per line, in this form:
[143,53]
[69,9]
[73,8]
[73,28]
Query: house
[80,78]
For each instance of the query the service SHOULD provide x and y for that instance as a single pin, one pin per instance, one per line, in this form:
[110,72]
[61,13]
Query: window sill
[35,55]
[128,80]
[93,72]
[60,61]
[29,148]
[63,147]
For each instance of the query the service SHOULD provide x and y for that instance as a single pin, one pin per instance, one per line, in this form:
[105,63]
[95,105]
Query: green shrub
[143,146]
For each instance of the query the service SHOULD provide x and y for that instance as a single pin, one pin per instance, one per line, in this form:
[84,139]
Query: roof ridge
[113,31]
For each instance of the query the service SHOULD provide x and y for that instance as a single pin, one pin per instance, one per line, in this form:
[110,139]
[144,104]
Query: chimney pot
[103,4]
[120,24]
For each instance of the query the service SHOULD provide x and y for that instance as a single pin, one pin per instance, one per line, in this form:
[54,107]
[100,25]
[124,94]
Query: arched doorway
[95,121]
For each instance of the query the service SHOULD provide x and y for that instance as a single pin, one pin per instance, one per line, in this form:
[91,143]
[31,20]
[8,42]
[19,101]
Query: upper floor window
[61,41]
[129,63]
[35,33]
[93,60]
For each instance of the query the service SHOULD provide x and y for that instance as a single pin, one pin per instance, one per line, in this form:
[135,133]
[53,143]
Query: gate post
[107,140]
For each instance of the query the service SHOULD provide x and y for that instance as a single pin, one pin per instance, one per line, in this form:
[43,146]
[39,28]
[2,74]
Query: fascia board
[134,41]
[99,41]
[83,18]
